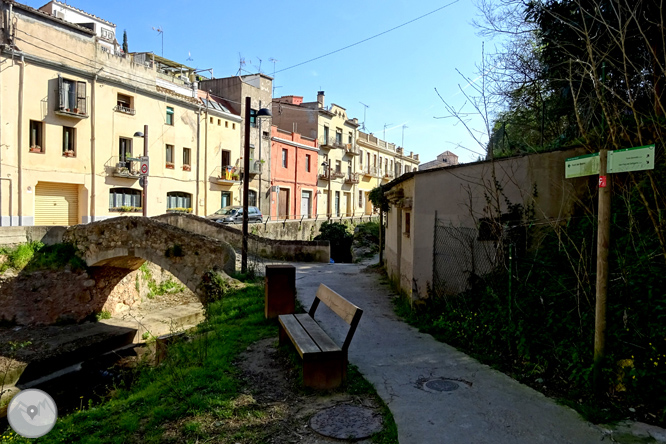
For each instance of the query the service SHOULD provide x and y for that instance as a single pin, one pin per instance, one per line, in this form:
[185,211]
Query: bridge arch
[127,242]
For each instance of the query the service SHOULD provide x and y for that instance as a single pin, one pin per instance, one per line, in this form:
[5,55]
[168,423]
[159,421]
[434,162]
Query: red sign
[144,168]
[602,181]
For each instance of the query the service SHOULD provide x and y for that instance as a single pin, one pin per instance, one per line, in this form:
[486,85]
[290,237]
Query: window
[408,221]
[226,124]
[349,140]
[125,198]
[338,166]
[107,34]
[68,141]
[251,199]
[211,120]
[360,158]
[233,126]
[187,159]
[360,199]
[36,133]
[72,96]
[124,150]
[169,115]
[226,158]
[325,135]
[284,158]
[169,156]
[219,122]
[338,136]
[375,160]
[124,104]
[178,201]
[253,118]
[251,154]
[307,162]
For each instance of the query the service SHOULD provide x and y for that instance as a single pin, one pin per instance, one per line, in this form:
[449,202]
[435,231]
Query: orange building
[294,166]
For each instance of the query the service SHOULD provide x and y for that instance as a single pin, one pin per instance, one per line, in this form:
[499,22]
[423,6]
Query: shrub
[340,238]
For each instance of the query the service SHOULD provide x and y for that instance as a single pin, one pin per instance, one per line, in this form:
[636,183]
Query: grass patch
[35,256]
[198,376]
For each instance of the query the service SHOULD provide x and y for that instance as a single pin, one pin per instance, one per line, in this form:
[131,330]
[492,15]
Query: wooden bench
[324,362]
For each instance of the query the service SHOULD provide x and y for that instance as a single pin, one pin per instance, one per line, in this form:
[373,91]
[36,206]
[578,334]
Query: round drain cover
[441,385]
[347,422]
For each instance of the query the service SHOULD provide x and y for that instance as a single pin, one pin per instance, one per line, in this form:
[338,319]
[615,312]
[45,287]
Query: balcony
[352,150]
[124,109]
[126,169]
[371,171]
[324,175]
[337,174]
[352,178]
[255,166]
[76,113]
[388,176]
[225,175]
[331,142]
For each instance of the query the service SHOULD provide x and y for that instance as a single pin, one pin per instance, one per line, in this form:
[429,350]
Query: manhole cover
[347,422]
[441,385]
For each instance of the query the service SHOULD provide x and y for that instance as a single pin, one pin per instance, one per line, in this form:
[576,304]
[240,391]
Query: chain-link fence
[459,256]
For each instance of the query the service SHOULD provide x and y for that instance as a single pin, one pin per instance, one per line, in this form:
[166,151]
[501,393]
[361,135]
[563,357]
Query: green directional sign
[631,159]
[587,165]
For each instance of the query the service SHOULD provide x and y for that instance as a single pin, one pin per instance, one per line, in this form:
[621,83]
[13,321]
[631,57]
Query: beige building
[439,230]
[70,110]
[447,158]
[359,162]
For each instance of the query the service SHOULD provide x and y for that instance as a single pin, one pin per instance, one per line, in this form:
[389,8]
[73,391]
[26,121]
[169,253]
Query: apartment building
[338,156]
[74,112]
[294,175]
[379,163]
[233,91]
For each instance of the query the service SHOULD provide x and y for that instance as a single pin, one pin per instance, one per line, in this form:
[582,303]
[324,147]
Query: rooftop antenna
[160,31]
[189,57]
[241,63]
[364,110]
[385,125]
[259,64]
[274,61]
[403,135]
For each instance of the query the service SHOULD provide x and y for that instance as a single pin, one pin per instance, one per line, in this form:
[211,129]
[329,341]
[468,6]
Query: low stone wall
[304,230]
[280,249]
[21,235]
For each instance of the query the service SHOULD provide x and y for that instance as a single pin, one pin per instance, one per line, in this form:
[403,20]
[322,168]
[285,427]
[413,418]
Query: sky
[395,74]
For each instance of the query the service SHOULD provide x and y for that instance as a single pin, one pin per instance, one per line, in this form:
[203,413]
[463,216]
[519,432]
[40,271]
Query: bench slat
[302,341]
[319,336]
[341,306]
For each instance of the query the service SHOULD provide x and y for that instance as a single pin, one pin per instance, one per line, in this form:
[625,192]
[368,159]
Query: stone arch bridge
[127,242]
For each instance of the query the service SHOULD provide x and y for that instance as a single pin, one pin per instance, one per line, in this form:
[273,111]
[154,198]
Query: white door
[306,197]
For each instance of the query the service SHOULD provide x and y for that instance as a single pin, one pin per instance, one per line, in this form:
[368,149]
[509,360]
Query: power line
[369,38]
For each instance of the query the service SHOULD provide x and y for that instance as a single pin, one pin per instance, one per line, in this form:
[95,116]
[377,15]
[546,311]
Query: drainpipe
[196,206]
[92,150]
[10,200]
[20,141]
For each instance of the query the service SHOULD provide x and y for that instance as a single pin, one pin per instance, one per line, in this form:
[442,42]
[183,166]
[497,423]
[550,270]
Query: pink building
[294,164]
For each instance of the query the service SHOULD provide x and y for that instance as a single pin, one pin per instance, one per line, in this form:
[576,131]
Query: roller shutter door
[56,204]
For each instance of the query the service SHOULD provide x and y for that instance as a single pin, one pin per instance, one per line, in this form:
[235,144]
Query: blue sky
[395,74]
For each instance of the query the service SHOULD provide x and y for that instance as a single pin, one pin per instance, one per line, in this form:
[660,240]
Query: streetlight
[144,135]
[246,179]
[326,164]
[263,112]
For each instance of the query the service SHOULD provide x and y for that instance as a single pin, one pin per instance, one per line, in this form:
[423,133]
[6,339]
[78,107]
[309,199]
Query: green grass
[37,256]
[198,376]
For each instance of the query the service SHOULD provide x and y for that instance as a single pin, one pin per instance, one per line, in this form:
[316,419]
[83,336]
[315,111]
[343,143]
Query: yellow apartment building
[73,110]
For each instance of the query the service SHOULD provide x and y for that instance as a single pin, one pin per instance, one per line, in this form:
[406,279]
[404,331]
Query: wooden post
[381,237]
[603,242]
[280,290]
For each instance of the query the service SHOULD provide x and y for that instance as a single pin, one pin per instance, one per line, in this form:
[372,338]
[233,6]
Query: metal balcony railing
[352,149]
[352,178]
[225,175]
[331,142]
[118,167]
[323,175]
[124,110]
[337,174]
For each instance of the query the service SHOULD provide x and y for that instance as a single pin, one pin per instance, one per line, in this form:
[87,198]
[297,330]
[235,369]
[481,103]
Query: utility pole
[603,243]
[145,178]
[246,182]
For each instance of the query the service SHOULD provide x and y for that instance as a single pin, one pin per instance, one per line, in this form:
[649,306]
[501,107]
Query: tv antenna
[189,57]
[364,110]
[160,31]
[386,125]
[241,63]
[274,61]
[259,65]
[403,135]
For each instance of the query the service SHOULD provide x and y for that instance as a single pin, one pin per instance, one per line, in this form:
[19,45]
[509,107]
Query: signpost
[587,165]
[144,165]
[604,164]
[631,159]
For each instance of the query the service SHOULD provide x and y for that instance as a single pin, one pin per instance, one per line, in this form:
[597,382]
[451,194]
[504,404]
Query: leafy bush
[36,256]
[340,238]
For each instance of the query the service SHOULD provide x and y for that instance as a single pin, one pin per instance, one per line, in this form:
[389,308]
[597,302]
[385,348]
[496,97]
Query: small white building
[105,30]
[447,158]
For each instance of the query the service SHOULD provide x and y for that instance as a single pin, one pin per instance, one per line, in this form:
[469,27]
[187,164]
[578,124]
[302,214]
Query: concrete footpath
[487,407]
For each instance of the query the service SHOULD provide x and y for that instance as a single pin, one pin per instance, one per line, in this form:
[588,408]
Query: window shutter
[61,94]
[81,97]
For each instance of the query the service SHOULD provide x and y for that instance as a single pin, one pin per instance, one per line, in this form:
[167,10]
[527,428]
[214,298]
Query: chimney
[320,98]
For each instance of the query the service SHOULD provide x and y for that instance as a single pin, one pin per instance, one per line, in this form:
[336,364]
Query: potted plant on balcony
[187,168]
[68,153]
[235,176]
[35,149]
[170,165]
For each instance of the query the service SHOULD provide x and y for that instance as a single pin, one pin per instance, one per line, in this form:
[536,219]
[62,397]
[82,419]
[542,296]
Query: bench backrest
[349,312]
